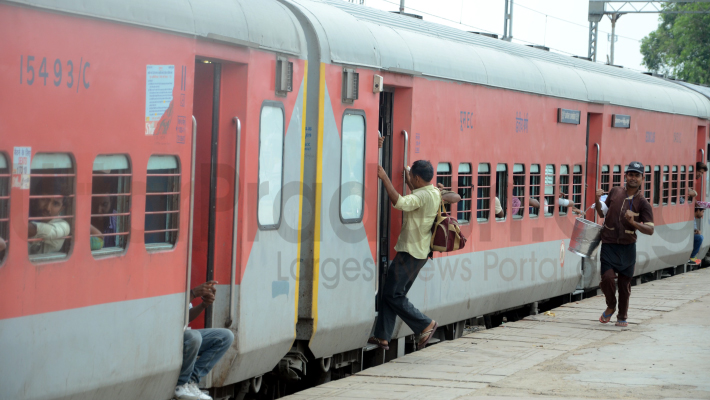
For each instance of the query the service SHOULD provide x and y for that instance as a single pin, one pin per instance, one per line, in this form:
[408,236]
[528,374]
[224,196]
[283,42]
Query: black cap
[635,166]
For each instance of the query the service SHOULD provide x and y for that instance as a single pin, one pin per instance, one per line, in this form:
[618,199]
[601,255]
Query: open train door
[590,273]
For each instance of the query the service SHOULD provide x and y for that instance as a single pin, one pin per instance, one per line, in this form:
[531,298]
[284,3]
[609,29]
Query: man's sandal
[426,336]
[378,342]
[605,318]
[622,323]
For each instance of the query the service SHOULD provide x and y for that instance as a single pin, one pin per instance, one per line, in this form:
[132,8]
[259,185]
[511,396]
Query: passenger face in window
[51,207]
[102,205]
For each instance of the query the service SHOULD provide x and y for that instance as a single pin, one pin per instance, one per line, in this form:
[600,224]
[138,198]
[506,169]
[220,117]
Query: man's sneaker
[184,392]
[695,261]
[199,393]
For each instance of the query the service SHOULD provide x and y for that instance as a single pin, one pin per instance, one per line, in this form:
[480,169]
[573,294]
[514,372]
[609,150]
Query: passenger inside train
[46,227]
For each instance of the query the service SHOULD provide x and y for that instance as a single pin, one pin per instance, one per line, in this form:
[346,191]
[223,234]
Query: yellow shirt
[419,210]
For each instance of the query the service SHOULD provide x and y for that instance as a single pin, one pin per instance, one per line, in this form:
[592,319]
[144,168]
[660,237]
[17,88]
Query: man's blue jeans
[697,241]
[210,345]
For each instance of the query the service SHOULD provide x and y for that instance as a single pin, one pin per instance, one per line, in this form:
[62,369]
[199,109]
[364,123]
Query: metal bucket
[586,236]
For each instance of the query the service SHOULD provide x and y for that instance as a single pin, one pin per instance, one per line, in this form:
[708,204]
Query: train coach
[237,141]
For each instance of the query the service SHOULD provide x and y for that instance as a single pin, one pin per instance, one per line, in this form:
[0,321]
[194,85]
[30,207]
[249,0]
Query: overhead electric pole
[508,22]
[615,9]
[401,6]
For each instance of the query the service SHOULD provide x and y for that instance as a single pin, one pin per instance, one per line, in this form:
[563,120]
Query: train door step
[369,347]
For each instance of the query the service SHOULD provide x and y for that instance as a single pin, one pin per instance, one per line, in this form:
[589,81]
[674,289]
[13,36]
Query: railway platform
[562,354]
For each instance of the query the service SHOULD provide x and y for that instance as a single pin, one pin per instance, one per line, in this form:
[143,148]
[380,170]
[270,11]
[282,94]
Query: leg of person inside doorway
[400,276]
[697,241]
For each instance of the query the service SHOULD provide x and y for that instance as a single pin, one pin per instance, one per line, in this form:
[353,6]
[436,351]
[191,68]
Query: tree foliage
[680,46]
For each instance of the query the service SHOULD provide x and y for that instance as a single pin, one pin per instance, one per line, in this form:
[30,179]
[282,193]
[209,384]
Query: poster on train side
[159,84]
[21,167]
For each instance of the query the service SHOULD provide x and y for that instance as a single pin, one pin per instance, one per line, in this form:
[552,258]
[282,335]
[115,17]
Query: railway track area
[562,354]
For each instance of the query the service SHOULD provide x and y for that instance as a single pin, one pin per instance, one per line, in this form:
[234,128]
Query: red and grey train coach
[165,144]
[163,137]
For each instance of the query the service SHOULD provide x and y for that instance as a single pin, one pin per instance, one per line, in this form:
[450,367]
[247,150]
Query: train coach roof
[704,90]
[265,24]
[362,36]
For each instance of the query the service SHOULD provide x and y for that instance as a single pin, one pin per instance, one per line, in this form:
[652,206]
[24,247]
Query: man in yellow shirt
[413,247]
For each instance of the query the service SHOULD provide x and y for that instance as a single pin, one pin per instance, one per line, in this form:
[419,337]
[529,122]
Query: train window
[483,199]
[647,182]
[535,189]
[577,186]
[605,179]
[271,148]
[50,229]
[4,205]
[352,167]
[616,176]
[162,202]
[564,186]
[443,177]
[691,180]
[550,199]
[656,185]
[674,184]
[666,178]
[518,202]
[502,190]
[110,204]
[681,183]
[465,181]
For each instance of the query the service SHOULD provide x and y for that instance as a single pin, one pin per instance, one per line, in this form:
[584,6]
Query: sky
[561,25]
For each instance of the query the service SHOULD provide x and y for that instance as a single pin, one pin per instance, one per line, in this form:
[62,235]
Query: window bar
[674,185]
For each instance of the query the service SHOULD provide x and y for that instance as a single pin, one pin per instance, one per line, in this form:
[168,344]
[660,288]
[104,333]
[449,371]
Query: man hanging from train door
[413,248]
[628,212]
[209,344]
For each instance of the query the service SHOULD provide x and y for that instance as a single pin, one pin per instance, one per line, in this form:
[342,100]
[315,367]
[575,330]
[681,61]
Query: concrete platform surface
[663,354]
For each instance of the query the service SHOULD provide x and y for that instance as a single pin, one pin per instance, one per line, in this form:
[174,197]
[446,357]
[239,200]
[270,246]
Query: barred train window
[4,205]
[550,198]
[162,202]
[51,222]
[683,178]
[352,167]
[691,180]
[110,204]
[656,185]
[577,187]
[666,178]
[535,189]
[443,176]
[617,176]
[605,179]
[674,184]
[518,202]
[465,180]
[271,149]
[483,204]
[564,186]
[502,189]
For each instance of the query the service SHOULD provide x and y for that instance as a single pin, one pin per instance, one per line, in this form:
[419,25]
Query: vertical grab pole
[598,184]
[189,229]
[406,148]
[235,222]
[379,217]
